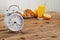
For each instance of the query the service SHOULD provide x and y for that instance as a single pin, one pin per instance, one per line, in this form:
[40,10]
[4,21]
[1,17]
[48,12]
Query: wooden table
[34,29]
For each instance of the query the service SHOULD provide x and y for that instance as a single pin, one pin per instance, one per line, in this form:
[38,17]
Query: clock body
[13,21]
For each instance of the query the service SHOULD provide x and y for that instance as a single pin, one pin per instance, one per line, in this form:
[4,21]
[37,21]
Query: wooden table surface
[34,29]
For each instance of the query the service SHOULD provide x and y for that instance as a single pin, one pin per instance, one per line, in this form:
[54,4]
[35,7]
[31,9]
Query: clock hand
[19,24]
[16,23]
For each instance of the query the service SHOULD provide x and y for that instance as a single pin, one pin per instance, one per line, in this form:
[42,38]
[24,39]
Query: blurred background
[51,5]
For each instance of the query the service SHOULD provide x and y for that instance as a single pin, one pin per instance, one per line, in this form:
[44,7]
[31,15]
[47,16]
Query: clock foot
[16,31]
[10,31]
[21,31]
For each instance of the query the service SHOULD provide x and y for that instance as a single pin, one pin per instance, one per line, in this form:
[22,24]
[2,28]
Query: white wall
[52,5]
[4,4]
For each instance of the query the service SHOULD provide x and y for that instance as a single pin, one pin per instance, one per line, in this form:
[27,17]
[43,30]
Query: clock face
[14,22]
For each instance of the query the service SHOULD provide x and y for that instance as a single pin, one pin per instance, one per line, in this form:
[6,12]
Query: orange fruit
[35,12]
[46,16]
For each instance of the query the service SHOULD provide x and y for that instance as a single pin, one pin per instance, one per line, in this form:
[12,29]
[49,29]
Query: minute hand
[19,24]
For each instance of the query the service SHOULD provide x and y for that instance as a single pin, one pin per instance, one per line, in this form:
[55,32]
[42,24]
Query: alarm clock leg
[21,31]
[10,31]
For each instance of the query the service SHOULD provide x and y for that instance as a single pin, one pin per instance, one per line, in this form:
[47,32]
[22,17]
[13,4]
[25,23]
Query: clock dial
[14,22]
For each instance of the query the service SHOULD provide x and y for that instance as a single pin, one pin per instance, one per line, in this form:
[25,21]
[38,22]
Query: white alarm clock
[13,21]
